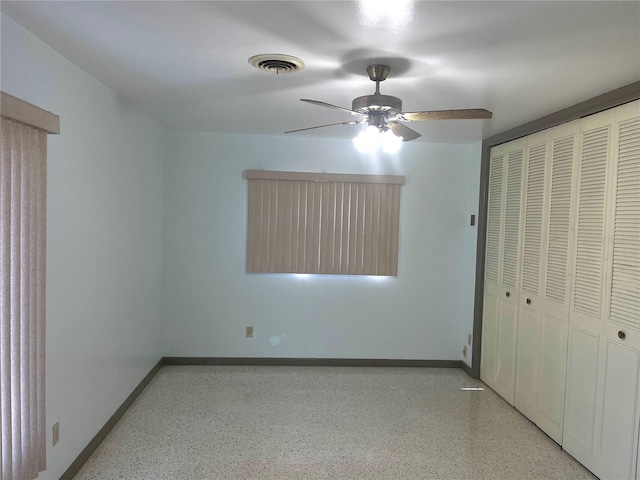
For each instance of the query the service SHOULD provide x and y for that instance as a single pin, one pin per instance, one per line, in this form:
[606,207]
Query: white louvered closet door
[554,289]
[618,412]
[502,269]
[508,316]
[529,311]
[492,267]
[586,310]
[543,306]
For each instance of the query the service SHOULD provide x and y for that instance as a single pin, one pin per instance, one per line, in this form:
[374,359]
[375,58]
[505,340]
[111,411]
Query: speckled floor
[238,422]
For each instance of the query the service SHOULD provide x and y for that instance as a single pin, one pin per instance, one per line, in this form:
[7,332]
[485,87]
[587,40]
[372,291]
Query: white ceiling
[185,63]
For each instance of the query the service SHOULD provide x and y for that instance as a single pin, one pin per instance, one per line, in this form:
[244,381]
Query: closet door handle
[507,294]
[621,335]
[528,301]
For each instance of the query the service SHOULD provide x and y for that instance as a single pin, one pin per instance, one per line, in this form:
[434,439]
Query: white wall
[471,247]
[424,313]
[108,193]
[104,251]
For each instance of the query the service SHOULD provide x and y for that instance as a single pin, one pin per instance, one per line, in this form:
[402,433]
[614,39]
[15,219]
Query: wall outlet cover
[249,332]
[464,351]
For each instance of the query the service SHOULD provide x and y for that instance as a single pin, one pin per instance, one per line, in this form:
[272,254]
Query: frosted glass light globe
[369,140]
[390,142]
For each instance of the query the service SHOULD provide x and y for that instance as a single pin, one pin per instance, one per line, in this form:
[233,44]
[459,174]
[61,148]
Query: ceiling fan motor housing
[369,104]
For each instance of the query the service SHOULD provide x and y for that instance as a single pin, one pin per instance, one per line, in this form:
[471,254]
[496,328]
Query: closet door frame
[614,98]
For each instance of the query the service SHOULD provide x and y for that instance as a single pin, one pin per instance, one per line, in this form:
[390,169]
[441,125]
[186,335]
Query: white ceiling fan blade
[465,114]
[353,122]
[328,105]
[406,133]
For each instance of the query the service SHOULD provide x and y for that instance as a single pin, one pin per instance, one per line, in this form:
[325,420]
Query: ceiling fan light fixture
[372,139]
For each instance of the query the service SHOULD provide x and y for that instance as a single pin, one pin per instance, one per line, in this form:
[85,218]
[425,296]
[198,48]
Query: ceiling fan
[385,112]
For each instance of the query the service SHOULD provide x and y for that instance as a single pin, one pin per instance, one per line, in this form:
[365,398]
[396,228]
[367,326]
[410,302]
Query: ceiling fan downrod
[378,73]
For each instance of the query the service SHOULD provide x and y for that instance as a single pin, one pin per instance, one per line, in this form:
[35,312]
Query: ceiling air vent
[276,63]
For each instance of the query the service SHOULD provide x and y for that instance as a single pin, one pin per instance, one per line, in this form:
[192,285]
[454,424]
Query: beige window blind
[320,223]
[23,193]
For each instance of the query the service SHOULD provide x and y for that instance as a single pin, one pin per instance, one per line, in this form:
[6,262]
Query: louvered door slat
[625,278]
[494,214]
[591,221]
[512,219]
[623,290]
[627,269]
[533,220]
[624,304]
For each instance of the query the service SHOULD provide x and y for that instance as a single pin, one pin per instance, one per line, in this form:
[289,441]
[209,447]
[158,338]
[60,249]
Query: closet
[561,315]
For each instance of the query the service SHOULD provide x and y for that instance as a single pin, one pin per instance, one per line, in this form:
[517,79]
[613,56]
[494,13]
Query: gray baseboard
[100,436]
[312,362]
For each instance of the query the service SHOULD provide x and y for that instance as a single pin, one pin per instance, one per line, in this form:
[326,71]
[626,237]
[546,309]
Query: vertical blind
[323,223]
[22,289]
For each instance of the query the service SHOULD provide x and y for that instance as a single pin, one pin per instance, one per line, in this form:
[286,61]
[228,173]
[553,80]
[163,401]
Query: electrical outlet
[56,433]
[469,339]
[464,351]
[249,332]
